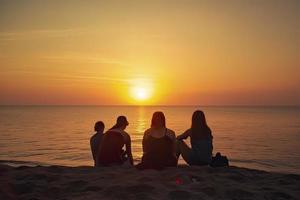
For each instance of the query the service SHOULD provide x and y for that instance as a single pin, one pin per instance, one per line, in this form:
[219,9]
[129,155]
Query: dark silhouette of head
[199,127]
[158,120]
[121,123]
[99,126]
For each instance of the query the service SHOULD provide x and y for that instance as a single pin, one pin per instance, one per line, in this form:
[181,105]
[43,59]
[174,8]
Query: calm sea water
[265,138]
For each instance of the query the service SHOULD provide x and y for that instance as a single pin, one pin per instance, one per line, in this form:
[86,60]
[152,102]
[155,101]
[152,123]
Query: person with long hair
[201,138]
[111,148]
[159,145]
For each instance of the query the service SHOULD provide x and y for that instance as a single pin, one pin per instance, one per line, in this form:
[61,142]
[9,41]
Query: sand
[183,182]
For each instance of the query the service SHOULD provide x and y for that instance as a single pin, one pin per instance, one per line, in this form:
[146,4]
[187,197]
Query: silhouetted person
[159,145]
[96,140]
[111,148]
[201,141]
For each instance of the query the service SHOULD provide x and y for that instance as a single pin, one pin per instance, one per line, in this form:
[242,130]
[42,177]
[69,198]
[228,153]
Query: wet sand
[183,182]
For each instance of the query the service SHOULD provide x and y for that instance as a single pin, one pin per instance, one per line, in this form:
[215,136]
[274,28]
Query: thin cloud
[33,34]
[94,60]
[57,76]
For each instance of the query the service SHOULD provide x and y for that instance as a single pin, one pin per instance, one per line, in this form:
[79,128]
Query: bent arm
[184,135]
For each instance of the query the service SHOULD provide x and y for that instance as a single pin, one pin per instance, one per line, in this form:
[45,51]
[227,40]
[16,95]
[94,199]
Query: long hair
[158,120]
[199,128]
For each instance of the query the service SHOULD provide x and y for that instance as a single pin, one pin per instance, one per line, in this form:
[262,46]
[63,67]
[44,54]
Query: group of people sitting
[161,147]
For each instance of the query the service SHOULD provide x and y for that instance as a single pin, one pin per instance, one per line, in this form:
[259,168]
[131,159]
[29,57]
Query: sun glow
[141,93]
[141,90]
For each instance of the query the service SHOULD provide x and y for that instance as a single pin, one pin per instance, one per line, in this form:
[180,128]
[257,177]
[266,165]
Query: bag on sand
[219,161]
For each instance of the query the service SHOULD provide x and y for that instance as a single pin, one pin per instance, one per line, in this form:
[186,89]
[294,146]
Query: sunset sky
[150,52]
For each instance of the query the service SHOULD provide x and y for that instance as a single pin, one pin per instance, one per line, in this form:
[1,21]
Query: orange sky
[183,53]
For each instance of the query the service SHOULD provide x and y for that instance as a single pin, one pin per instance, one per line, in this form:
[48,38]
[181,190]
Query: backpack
[219,161]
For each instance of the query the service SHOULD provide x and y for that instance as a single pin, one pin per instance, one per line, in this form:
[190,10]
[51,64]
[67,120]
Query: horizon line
[161,105]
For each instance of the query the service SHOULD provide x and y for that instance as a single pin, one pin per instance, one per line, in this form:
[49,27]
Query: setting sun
[169,93]
[141,90]
[99,53]
[140,93]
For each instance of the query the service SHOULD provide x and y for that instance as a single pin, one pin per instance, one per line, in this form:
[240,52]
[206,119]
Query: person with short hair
[95,140]
[111,148]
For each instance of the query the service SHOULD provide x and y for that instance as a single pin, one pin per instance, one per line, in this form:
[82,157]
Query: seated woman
[159,145]
[111,147]
[201,142]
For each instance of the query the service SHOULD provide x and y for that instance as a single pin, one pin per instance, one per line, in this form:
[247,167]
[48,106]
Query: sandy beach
[183,182]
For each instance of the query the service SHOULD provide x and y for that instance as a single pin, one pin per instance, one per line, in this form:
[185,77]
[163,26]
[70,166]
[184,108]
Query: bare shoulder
[126,136]
[147,132]
[171,134]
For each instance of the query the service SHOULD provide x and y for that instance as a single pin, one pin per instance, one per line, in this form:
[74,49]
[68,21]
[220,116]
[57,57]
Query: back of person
[202,149]
[96,139]
[159,152]
[111,149]
[95,143]
[159,145]
[200,152]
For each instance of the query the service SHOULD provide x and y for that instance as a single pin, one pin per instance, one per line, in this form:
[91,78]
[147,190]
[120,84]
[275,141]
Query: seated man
[96,140]
[111,148]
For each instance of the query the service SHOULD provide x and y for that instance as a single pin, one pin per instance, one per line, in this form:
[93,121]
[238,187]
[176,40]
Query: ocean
[265,138]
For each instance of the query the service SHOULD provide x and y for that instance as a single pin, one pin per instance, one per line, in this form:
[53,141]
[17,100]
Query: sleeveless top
[202,148]
[158,153]
[111,149]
